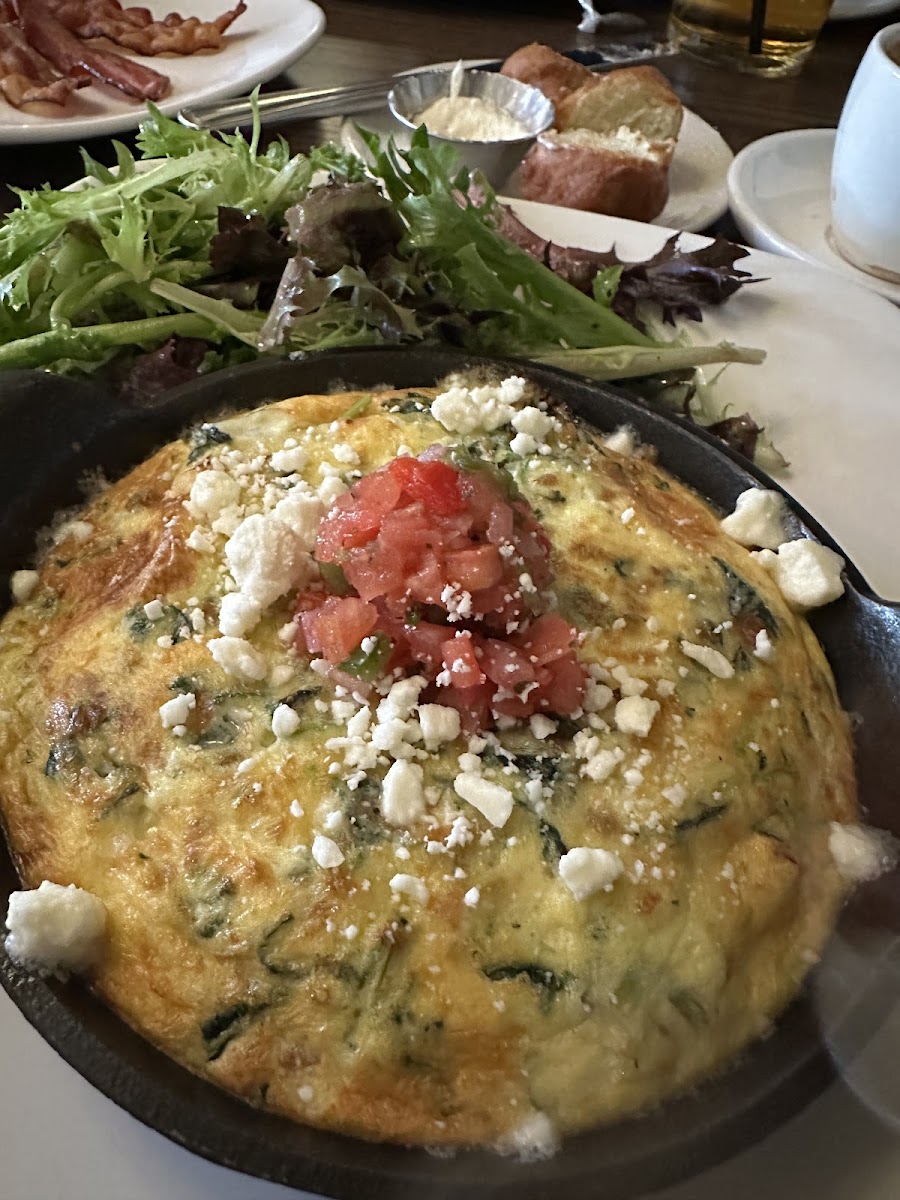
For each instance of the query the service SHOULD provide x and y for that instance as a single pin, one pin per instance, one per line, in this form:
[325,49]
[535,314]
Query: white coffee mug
[865,172]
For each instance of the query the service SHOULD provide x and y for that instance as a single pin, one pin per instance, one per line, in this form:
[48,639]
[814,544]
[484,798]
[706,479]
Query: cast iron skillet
[56,429]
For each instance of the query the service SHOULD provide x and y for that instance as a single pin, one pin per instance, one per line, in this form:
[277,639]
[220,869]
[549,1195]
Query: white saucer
[780,193]
[856,10]
[697,191]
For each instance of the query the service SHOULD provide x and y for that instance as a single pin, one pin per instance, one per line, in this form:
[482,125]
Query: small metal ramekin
[411,95]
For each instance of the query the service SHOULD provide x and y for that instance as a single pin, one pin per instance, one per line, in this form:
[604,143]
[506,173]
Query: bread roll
[620,174]
[639,97]
[553,74]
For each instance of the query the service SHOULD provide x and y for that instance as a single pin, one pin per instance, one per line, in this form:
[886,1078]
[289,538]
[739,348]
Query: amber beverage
[766,37]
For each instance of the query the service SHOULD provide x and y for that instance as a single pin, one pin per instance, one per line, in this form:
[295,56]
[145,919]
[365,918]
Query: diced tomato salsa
[452,572]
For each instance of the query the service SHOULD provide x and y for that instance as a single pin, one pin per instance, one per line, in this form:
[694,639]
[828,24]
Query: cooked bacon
[51,38]
[137,30]
[26,77]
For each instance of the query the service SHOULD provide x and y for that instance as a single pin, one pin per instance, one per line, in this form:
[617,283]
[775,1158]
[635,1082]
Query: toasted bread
[621,174]
[639,97]
[553,74]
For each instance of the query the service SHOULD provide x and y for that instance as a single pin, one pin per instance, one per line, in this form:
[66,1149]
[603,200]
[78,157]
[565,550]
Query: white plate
[828,392]
[697,178]
[780,193]
[855,10]
[264,40]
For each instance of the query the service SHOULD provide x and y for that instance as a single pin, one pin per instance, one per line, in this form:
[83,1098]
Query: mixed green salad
[208,251]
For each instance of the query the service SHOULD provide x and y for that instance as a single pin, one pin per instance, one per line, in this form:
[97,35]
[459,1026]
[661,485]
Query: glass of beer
[765,37]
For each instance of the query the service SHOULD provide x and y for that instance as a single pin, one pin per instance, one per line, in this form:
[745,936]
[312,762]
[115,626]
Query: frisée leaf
[239,251]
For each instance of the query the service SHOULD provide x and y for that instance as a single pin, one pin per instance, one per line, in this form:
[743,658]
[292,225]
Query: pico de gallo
[431,567]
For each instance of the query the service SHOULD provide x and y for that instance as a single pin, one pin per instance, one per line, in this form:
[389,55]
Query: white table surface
[60,1139]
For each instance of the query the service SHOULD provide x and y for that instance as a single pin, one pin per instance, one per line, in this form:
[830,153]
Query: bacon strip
[26,77]
[51,38]
[137,30]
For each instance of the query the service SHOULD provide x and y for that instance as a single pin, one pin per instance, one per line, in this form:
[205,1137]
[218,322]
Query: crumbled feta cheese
[629,685]
[636,714]
[326,852]
[197,540]
[211,493]
[296,809]
[238,614]
[533,421]
[302,511]
[401,699]
[542,727]
[333,821]
[55,928]
[358,725]
[175,711]
[79,530]
[859,853]
[676,794]
[402,793]
[763,647]
[197,618]
[457,602]
[665,688]
[22,584]
[237,657]
[491,799]
[344,453]
[329,490]
[289,461]
[585,870]
[524,445]
[534,1138]
[758,519]
[409,885]
[463,410]
[153,610]
[460,833]
[627,515]
[265,558]
[621,441]
[714,661]
[439,724]
[284,721]
[597,696]
[342,711]
[808,574]
[395,737]
[598,764]
[472,896]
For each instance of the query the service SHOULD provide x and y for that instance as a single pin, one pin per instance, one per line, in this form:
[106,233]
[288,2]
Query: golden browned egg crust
[427,1015]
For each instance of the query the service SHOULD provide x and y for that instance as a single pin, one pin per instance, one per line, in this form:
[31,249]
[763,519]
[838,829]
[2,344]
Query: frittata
[376,889]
